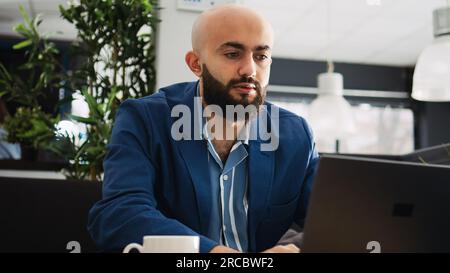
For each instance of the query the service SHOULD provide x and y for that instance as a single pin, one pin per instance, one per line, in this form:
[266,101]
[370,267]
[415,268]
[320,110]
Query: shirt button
[225,177]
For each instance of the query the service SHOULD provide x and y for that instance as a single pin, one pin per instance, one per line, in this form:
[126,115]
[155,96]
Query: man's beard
[215,93]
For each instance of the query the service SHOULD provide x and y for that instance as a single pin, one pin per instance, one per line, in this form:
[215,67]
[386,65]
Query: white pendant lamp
[330,114]
[431,81]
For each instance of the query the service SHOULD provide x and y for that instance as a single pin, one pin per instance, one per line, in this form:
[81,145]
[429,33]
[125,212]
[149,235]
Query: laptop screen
[373,205]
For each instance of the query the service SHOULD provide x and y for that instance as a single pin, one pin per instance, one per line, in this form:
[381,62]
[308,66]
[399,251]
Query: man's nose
[247,67]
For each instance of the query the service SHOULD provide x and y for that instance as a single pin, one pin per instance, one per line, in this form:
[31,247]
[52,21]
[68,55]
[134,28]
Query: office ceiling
[389,32]
[393,32]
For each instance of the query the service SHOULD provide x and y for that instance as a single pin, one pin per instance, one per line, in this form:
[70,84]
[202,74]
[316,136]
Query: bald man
[209,158]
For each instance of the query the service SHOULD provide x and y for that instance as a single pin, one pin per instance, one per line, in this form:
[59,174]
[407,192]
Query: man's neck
[223,138]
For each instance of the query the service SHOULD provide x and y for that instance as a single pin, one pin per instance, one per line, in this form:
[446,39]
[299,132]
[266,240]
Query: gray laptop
[372,205]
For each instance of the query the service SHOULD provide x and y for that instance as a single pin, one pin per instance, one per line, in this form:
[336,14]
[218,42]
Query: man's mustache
[234,82]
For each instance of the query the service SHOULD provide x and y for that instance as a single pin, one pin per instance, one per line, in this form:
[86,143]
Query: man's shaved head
[227,18]
[231,54]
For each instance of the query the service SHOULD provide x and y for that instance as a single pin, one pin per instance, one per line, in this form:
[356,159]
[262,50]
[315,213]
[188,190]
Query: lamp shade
[431,81]
[330,114]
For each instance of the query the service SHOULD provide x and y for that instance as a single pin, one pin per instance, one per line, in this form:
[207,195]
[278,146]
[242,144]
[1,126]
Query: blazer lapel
[261,171]
[194,154]
[197,165]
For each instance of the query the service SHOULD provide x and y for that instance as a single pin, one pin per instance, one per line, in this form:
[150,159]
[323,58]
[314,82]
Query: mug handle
[131,246]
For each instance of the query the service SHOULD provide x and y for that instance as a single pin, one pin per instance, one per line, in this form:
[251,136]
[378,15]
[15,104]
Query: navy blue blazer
[154,184]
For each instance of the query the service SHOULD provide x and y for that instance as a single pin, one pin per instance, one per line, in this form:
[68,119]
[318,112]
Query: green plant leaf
[4,73]
[22,30]
[89,120]
[26,66]
[111,98]
[23,44]
[93,106]
[24,14]
[37,21]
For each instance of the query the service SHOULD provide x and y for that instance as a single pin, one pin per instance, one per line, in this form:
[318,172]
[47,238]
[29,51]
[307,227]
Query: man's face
[236,61]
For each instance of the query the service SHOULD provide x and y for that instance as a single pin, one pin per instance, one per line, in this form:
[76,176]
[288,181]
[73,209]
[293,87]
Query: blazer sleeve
[128,208]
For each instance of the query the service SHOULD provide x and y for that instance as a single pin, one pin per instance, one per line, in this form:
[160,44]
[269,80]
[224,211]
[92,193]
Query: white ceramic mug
[166,244]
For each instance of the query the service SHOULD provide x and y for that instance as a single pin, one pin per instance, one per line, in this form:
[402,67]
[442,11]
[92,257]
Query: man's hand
[290,248]
[223,249]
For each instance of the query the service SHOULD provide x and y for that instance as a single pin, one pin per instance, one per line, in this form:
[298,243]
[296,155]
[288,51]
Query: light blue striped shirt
[229,183]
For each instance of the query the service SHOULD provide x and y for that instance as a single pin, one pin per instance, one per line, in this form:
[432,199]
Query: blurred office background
[373,44]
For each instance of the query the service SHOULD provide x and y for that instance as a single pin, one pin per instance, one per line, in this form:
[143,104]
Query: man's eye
[261,57]
[232,55]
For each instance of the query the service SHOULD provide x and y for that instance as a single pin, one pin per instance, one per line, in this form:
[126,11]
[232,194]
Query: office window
[381,127]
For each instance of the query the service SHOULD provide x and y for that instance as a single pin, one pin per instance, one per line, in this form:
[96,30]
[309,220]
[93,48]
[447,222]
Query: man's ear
[193,61]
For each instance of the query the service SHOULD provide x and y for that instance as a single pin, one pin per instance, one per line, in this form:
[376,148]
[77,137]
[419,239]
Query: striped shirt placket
[230,181]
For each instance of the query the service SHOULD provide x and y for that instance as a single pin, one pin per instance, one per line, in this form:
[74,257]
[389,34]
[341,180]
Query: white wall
[174,41]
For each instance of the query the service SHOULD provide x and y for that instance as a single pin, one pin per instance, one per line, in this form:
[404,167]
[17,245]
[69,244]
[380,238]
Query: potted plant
[33,82]
[116,40]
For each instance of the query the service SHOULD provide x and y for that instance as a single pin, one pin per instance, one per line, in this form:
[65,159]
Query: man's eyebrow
[240,46]
[262,48]
[232,44]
